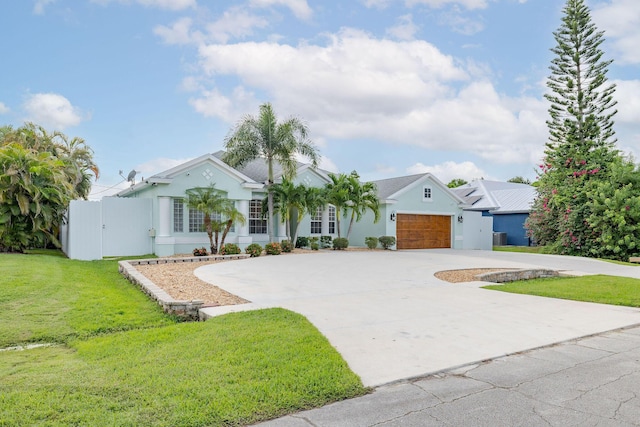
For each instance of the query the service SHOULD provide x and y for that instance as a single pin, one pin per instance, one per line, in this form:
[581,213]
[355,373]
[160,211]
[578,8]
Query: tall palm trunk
[353,216]
[270,200]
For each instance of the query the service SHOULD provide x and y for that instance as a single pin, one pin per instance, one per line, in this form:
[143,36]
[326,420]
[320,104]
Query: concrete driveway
[392,320]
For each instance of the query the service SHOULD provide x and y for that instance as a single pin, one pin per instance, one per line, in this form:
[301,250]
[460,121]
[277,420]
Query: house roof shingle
[390,186]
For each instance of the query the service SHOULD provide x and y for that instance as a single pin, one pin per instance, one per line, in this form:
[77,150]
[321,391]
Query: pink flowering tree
[580,155]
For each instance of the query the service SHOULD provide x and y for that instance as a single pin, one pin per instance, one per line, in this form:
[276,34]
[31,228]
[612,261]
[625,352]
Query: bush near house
[200,252]
[302,242]
[287,246]
[314,243]
[340,243]
[254,250]
[325,242]
[230,249]
[387,241]
[273,248]
[371,242]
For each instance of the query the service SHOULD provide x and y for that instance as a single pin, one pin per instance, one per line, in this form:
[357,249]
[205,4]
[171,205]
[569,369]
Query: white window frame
[332,219]
[256,222]
[316,222]
[178,215]
[427,193]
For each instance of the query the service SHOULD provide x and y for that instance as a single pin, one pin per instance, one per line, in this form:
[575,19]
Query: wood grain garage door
[423,231]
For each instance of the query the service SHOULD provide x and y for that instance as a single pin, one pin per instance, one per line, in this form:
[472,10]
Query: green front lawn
[120,361]
[48,298]
[598,288]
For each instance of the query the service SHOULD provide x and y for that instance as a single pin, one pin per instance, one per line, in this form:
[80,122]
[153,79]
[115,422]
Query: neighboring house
[508,203]
[153,217]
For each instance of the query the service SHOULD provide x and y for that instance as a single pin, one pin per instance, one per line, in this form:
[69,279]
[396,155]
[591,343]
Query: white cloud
[360,87]
[161,4]
[178,33]
[405,29]
[621,21]
[38,7]
[378,4]
[448,171]
[212,103]
[436,4]
[456,20]
[155,166]
[327,164]
[52,109]
[3,108]
[628,101]
[300,8]
[235,23]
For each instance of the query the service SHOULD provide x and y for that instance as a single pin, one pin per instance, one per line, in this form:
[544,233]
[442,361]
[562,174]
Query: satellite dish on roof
[131,177]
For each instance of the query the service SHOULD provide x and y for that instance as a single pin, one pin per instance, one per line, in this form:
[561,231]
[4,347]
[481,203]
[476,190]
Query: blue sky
[387,87]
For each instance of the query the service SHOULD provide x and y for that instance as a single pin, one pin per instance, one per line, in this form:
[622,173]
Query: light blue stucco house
[508,203]
[419,210]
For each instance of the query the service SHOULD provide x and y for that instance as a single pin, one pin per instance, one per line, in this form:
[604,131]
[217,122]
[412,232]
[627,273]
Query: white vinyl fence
[112,226]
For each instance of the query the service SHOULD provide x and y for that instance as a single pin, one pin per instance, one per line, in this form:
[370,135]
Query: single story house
[508,203]
[152,216]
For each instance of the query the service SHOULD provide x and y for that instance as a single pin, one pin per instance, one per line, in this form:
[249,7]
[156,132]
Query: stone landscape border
[187,309]
[515,275]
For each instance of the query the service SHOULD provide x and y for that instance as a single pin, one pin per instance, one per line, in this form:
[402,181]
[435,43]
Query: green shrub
[315,246]
[230,249]
[254,250]
[371,242]
[325,242]
[273,248]
[302,242]
[286,245]
[387,241]
[340,243]
[200,252]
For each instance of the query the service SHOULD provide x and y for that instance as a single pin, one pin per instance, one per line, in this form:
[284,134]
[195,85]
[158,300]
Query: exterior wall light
[392,217]
[460,219]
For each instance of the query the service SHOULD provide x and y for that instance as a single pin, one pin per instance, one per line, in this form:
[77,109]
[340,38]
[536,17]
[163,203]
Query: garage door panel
[414,231]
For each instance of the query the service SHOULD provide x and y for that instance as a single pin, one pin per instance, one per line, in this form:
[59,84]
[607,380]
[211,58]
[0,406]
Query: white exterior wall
[110,227]
[477,231]
[126,226]
[83,239]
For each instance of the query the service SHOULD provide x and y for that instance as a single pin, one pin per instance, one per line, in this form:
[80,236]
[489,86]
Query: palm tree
[363,197]
[264,137]
[287,198]
[78,158]
[338,194]
[34,194]
[313,198]
[210,201]
[231,216]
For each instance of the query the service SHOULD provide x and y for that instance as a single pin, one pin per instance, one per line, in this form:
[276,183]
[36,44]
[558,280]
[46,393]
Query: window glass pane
[196,221]
[178,216]
[427,192]
[316,222]
[257,225]
[332,220]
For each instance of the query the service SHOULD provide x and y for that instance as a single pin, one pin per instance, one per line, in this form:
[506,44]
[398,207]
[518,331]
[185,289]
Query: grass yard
[598,288]
[48,298]
[120,361]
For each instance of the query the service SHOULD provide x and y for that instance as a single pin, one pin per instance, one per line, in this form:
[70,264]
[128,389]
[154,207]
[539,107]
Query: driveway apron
[392,319]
